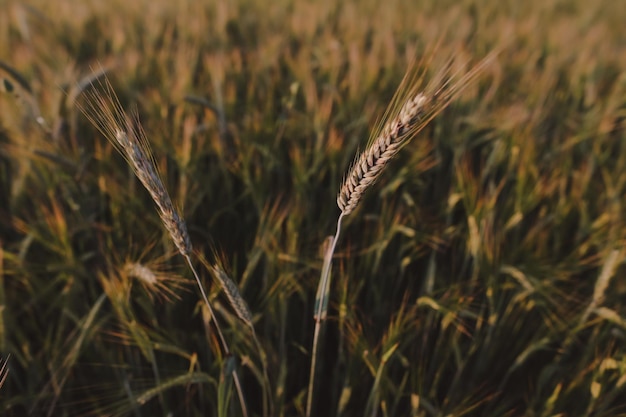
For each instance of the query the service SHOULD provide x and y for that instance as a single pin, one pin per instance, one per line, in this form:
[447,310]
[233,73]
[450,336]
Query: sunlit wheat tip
[142,273]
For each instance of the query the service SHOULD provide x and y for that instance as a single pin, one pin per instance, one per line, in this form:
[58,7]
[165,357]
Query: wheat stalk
[127,135]
[411,109]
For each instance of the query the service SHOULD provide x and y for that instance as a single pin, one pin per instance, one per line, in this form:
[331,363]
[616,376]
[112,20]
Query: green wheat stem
[321,310]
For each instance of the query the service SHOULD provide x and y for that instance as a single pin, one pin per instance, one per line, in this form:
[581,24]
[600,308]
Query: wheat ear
[370,163]
[234,296]
[413,106]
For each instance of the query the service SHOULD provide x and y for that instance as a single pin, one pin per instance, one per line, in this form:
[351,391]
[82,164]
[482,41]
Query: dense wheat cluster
[168,179]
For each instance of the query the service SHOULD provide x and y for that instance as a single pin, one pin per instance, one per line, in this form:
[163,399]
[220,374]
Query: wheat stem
[321,309]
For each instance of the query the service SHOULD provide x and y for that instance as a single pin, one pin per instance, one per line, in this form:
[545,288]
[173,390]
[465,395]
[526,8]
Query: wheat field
[172,175]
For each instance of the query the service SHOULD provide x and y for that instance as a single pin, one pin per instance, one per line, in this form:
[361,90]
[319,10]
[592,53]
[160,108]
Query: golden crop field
[308,208]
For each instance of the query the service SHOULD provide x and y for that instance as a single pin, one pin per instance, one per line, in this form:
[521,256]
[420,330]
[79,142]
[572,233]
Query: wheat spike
[155,277]
[146,172]
[370,163]
[412,108]
[106,113]
[234,296]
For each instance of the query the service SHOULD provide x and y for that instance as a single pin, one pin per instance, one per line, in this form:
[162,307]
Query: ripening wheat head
[104,110]
[413,106]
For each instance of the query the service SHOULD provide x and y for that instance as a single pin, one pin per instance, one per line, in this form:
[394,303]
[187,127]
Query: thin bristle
[125,133]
